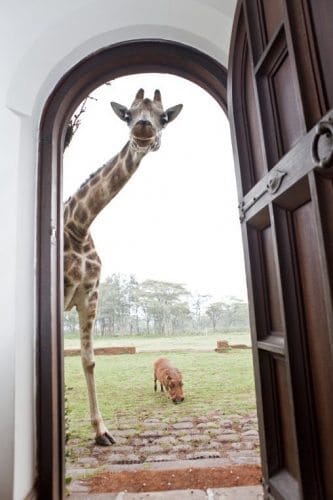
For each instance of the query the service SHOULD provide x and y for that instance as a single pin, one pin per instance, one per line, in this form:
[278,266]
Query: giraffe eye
[164,119]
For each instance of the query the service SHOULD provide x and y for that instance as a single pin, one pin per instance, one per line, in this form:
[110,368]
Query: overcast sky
[177,218]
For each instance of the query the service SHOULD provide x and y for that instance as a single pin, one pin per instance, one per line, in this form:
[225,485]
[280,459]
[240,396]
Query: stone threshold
[77,472]
[233,493]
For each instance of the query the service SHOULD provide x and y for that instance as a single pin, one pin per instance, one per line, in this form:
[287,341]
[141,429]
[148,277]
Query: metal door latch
[272,186]
[323,128]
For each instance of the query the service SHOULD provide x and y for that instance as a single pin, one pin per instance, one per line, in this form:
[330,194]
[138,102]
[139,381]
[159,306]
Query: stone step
[234,493]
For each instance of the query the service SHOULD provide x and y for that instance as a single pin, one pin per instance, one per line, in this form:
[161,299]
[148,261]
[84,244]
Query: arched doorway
[132,57]
[281,107]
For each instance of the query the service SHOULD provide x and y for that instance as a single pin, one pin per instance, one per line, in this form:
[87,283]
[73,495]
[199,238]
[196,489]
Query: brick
[162,458]
[181,448]
[183,425]
[151,434]
[123,432]
[203,454]
[122,449]
[228,438]
[167,440]
[250,433]
[153,449]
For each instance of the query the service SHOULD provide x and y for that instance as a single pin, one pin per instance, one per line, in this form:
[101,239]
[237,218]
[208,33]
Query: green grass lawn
[146,344]
[125,388]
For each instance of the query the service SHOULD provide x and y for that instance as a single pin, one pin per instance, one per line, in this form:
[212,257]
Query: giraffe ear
[120,111]
[172,113]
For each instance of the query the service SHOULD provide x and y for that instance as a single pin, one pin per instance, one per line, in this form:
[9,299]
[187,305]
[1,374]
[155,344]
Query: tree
[71,321]
[229,315]
[113,305]
[198,304]
[75,120]
[160,307]
[161,303]
[215,312]
[133,298]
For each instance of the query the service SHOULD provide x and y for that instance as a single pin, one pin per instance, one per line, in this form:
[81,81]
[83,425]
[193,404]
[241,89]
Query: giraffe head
[146,119]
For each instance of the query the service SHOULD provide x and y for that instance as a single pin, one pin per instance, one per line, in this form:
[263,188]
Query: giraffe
[82,266]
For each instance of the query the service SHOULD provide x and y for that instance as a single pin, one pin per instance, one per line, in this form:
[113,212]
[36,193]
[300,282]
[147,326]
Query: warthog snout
[177,401]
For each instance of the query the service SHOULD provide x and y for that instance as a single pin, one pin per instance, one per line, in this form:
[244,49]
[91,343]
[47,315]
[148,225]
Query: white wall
[40,41]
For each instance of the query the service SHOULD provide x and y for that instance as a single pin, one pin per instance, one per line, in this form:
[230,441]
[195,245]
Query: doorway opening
[172,285]
[142,57]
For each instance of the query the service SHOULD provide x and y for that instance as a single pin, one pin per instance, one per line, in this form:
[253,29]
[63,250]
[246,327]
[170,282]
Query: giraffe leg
[87,313]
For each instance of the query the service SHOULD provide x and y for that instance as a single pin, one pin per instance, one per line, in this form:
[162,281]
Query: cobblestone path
[233,438]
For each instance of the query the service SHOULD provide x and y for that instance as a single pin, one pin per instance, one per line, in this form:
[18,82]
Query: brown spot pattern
[75,273]
[81,213]
[109,166]
[94,205]
[76,231]
[117,182]
[72,203]
[67,244]
[82,191]
[67,282]
[93,255]
[76,245]
[94,180]
[93,269]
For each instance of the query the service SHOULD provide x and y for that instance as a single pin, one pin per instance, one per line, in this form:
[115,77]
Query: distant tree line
[127,307]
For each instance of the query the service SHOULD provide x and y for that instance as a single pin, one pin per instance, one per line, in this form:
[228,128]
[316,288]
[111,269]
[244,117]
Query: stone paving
[235,493]
[231,439]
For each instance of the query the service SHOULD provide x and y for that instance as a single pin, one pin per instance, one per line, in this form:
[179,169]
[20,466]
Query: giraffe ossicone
[146,120]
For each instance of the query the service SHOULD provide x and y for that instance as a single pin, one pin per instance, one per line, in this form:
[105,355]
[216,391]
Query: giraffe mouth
[143,141]
[145,144]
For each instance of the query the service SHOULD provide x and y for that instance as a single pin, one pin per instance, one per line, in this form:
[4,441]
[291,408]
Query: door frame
[140,56]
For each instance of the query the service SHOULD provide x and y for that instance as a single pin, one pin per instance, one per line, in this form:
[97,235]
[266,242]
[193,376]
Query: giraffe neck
[94,194]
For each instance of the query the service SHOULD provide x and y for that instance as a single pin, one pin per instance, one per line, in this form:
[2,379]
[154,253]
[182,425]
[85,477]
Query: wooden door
[280,93]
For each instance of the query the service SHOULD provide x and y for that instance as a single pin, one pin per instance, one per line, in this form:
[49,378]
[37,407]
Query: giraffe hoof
[104,440]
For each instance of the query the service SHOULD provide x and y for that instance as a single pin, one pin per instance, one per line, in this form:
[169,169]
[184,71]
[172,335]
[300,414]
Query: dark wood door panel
[317,333]
[297,349]
[286,211]
[253,125]
[276,324]
[323,190]
[246,116]
[273,13]
[321,12]
[281,447]
[267,298]
[265,18]
[279,100]
[287,431]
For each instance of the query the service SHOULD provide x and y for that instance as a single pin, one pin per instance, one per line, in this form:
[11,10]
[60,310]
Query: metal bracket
[323,128]
[272,186]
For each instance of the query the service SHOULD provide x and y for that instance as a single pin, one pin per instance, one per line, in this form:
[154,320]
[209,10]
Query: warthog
[170,378]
